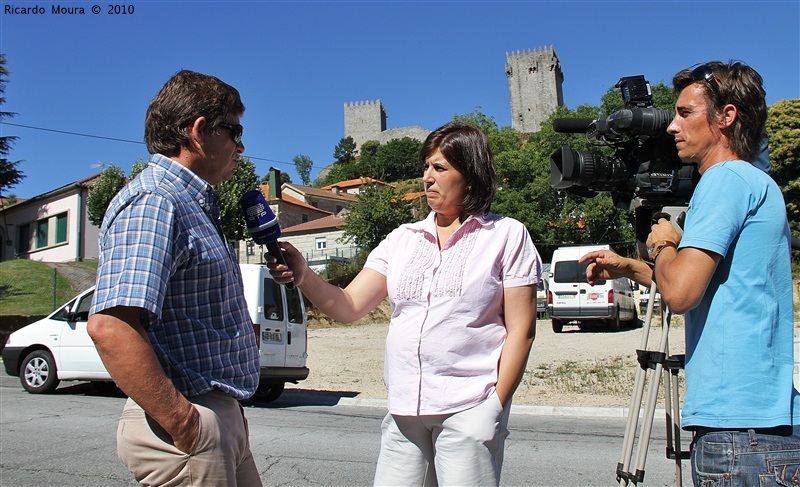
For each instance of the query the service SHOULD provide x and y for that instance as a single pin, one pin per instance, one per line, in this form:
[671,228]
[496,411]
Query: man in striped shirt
[169,318]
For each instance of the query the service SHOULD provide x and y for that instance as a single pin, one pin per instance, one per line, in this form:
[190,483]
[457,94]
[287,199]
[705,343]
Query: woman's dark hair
[186,97]
[740,85]
[467,149]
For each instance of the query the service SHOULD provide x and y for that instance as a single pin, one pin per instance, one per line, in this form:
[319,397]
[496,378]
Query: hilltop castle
[366,120]
[534,83]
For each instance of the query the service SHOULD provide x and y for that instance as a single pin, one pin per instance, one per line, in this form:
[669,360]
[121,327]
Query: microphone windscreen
[262,224]
[572,125]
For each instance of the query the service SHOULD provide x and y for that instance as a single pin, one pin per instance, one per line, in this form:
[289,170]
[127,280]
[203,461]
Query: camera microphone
[262,224]
[572,125]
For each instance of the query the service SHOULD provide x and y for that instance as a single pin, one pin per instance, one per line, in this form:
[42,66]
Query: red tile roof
[324,223]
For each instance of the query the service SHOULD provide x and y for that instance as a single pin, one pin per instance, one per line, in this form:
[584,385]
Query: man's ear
[197,134]
[728,116]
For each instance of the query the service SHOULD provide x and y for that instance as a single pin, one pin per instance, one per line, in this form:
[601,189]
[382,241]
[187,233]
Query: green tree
[303,165]
[285,178]
[553,217]
[111,180]
[339,171]
[397,160]
[378,211]
[10,175]
[345,150]
[344,166]
[663,97]
[244,179]
[136,168]
[783,129]
[501,139]
[368,159]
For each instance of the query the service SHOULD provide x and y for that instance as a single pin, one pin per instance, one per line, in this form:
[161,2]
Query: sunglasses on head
[703,72]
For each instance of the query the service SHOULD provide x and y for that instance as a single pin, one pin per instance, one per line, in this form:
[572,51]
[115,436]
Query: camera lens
[570,167]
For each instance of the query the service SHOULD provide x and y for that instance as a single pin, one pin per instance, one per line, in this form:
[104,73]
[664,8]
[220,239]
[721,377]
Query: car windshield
[571,271]
[82,309]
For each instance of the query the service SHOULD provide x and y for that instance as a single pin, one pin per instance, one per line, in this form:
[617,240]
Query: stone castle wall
[364,120]
[534,83]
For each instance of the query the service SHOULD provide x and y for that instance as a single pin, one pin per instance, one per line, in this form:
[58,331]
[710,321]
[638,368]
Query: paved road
[79,276]
[304,438]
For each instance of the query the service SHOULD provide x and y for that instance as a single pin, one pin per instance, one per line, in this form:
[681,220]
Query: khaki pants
[221,456]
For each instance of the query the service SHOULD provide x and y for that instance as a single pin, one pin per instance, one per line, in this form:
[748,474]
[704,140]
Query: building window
[43,233]
[304,218]
[61,228]
[23,239]
[322,243]
[42,227]
[338,209]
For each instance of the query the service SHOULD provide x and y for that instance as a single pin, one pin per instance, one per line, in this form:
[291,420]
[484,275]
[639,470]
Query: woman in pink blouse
[462,285]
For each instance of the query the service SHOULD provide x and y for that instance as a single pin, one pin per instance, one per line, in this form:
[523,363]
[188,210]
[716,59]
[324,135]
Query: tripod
[653,364]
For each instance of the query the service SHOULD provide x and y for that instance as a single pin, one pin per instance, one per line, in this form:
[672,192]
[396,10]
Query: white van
[570,298]
[279,317]
[58,347]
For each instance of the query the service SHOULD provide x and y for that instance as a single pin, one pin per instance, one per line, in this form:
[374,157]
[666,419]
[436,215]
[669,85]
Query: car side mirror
[79,316]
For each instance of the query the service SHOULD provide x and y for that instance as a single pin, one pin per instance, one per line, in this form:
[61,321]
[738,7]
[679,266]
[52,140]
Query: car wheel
[615,325]
[634,322]
[38,374]
[268,392]
[558,326]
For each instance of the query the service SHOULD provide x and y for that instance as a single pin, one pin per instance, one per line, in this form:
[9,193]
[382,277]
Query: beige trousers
[221,456]
[459,449]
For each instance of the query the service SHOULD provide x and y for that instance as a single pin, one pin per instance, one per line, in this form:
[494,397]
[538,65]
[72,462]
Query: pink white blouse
[447,329]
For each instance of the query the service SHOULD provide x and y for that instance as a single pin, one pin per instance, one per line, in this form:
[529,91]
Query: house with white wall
[310,219]
[51,227]
[320,241]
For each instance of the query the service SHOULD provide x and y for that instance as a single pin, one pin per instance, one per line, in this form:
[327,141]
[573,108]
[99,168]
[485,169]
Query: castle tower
[364,120]
[534,81]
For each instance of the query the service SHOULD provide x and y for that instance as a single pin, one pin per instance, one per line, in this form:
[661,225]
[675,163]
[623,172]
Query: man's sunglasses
[704,73]
[236,130]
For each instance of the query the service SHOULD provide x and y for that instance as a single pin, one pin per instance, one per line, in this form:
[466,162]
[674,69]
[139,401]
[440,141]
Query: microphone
[262,224]
[572,125]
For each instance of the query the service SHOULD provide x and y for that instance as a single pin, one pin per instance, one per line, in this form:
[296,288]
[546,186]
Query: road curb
[595,412]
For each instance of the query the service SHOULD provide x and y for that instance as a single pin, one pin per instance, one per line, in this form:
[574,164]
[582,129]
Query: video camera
[644,174]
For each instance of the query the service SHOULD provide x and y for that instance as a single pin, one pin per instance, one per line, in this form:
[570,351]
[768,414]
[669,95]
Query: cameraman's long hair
[467,149]
[182,100]
[741,86]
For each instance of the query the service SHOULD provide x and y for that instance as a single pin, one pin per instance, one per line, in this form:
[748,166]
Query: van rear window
[571,271]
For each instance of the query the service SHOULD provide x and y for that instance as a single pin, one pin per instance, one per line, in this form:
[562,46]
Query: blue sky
[297,63]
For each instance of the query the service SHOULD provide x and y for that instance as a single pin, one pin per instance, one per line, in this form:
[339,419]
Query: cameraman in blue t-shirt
[730,274]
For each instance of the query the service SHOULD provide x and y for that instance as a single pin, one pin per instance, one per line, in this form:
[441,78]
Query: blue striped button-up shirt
[162,250]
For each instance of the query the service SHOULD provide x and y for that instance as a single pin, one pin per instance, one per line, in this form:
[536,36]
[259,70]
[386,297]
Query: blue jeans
[756,458]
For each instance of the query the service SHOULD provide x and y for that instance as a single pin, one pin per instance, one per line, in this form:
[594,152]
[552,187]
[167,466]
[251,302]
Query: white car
[56,348]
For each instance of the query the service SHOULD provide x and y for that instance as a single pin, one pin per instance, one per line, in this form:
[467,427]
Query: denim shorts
[754,457]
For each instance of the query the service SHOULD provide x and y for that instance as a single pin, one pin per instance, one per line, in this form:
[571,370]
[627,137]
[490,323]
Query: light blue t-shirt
[739,339]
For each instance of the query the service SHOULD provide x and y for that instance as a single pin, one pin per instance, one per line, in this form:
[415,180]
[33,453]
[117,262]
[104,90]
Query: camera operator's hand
[604,264]
[663,230]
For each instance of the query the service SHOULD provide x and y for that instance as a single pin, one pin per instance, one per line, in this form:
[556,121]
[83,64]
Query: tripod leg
[623,476]
[650,409]
[672,406]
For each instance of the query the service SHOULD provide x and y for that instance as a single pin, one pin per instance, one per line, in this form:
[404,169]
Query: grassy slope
[26,288]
